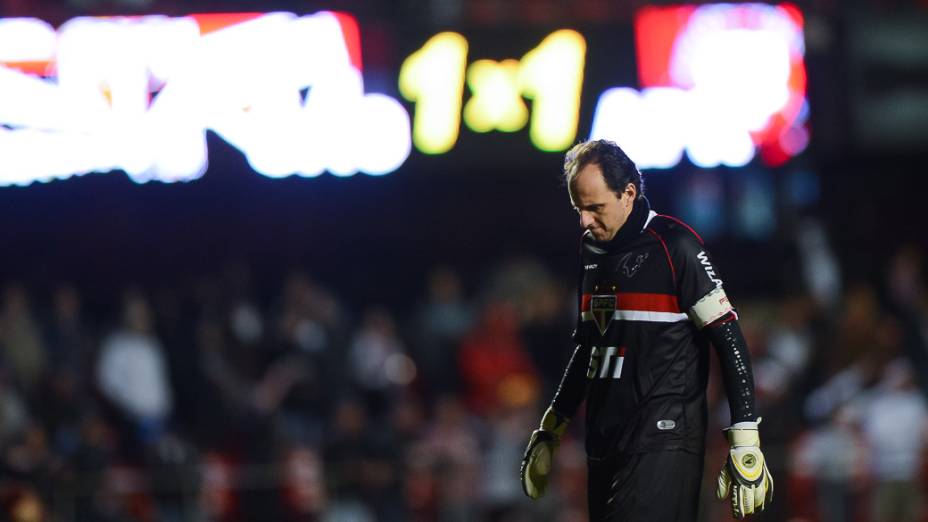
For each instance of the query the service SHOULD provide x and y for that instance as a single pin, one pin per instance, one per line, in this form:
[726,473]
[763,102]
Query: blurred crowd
[217,400]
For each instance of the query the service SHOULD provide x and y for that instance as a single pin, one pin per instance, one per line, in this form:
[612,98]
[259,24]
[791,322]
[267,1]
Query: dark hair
[618,169]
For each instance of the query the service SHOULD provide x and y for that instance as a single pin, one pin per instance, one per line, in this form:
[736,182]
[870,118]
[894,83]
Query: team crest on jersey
[603,309]
[632,262]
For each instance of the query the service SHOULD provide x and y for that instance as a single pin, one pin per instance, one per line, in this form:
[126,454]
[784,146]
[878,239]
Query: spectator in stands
[832,457]
[132,373]
[378,361]
[894,422]
[439,325]
[493,359]
[21,346]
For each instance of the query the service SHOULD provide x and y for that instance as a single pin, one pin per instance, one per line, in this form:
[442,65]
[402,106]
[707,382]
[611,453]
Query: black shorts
[654,487]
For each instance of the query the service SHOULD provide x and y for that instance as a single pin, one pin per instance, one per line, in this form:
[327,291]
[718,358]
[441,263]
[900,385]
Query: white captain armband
[712,306]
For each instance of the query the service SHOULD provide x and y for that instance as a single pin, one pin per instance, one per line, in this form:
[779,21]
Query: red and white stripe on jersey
[632,306]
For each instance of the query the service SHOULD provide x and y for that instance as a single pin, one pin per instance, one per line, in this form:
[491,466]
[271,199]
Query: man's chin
[603,236]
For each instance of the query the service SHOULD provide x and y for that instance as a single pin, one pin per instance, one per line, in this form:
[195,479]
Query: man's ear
[631,191]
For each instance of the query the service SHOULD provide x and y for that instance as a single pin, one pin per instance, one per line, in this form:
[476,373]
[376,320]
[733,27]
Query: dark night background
[460,266]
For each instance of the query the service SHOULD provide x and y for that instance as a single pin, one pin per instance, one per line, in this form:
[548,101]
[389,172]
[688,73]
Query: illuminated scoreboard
[718,84]
[139,93]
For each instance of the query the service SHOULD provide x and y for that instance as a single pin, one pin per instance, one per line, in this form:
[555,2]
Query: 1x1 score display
[551,75]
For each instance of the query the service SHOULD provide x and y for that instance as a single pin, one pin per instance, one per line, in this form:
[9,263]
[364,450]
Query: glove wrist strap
[554,422]
[743,434]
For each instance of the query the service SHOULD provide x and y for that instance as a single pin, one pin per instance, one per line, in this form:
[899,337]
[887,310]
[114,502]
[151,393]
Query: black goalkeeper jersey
[641,358]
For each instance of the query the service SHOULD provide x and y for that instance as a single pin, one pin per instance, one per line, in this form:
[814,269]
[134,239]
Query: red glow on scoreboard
[752,51]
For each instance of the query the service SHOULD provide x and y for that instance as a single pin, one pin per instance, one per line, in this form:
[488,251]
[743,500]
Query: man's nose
[586,219]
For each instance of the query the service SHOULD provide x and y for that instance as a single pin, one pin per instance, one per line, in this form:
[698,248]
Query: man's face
[602,211]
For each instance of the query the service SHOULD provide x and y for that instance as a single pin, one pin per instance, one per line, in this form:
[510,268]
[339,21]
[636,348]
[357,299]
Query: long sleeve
[572,389]
[735,362]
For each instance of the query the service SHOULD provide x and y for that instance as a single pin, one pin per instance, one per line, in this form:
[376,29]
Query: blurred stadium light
[138,94]
[731,78]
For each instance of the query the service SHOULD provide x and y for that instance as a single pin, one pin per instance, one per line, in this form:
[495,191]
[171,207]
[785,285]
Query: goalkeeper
[650,303]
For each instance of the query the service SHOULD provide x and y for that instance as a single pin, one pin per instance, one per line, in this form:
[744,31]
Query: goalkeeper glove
[745,473]
[536,463]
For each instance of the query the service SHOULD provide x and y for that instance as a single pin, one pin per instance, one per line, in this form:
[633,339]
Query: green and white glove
[745,474]
[536,463]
